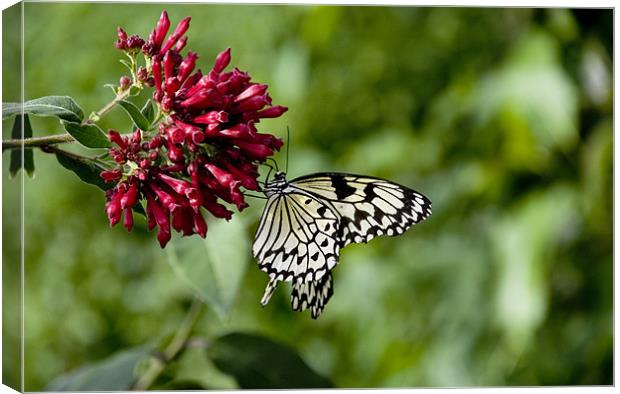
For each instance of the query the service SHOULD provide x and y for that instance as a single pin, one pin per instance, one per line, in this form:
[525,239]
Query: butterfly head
[277,184]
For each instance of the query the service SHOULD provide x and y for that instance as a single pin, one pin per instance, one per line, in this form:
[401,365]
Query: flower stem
[95,116]
[74,156]
[35,142]
[172,351]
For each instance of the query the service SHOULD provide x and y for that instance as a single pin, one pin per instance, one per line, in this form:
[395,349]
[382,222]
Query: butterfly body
[308,220]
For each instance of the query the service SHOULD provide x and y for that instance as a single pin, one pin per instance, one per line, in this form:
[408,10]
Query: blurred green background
[503,117]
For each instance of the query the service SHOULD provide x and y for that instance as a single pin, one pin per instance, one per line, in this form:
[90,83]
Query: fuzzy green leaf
[136,116]
[89,135]
[148,111]
[62,107]
[85,170]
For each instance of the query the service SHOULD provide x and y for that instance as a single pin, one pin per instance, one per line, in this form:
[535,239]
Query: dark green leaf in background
[134,113]
[89,135]
[116,373]
[16,154]
[87,172]
[63,107]
[260,363]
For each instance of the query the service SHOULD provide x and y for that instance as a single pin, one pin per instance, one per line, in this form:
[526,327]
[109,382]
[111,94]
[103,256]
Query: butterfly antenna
[288,141]
[275,163]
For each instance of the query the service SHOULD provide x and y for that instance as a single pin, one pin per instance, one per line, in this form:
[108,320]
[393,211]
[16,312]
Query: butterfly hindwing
[296,238]
[312,294]
[367,207]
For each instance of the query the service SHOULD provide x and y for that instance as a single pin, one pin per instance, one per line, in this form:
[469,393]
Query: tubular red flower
[163,24]
[256,151]
[252,104]
[253,90]
[180,44]
[222,60]
[178,32]
[156,67]
[187,66]
[272,112]
[131,197]
[224,178]
[115,137]
[128,222]
[212,117]
[182,220]
[113,207]
[177,185]
[111,175]
[217,210]
[200,226]
[162,218]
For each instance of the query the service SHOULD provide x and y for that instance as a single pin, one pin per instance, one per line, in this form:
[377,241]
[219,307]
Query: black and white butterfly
[306,221]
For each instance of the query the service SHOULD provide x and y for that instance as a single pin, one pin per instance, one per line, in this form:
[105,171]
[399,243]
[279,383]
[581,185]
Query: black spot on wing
[341,187]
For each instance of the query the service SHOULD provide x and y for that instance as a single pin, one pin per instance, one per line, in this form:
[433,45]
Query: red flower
[204,151]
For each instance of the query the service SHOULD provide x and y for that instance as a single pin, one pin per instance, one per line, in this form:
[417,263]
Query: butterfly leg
[271,287]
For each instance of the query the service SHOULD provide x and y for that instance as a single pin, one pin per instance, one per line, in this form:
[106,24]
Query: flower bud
[187,66]
[110,176]
[178,32]
[128,222]
[134,43]
[142,74]
[222,60]
[254,90]
[124,82]
[200,226]
[163,24]
[272,112]
[115,137]
[181,44]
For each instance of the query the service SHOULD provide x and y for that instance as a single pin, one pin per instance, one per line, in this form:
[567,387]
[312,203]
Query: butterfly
[308,220]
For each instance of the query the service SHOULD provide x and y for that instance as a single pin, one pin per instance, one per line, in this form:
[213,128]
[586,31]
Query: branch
[182,336]
[35,142]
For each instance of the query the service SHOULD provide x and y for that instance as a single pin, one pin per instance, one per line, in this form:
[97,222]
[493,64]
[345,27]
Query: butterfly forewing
[366,206]
[297,238]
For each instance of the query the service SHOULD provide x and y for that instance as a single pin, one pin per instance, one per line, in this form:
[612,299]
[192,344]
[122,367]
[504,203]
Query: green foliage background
[503,117]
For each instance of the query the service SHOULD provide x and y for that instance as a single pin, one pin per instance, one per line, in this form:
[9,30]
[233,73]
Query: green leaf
[259,363]
[89,135]
[213,267]
[63,107]
[15,163]
[134,113]
[116,373]
[148,111]
[87,171]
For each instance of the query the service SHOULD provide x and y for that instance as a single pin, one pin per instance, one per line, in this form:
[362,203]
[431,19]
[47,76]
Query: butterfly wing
[313,295]
[366,206]
[297,238]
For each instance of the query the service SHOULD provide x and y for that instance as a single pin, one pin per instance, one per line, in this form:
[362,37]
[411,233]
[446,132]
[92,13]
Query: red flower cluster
[206,149]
